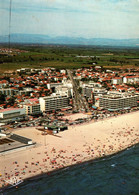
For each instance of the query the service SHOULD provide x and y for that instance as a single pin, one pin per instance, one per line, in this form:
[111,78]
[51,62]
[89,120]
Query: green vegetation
[2,98]
[68,57]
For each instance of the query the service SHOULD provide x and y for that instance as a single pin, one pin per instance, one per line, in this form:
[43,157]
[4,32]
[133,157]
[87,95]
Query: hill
[45,39]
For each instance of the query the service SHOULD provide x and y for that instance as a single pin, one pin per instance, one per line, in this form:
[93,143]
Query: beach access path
[77,144]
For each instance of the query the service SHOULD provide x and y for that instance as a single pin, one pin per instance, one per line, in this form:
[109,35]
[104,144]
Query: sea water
[115,175]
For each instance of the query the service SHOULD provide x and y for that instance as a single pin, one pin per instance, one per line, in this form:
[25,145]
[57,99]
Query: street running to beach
[78,144]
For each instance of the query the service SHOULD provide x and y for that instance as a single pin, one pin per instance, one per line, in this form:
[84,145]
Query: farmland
[64,56]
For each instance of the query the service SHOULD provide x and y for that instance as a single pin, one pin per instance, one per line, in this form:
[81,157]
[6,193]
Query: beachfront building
[32,106]
[115,102]
[50,103]
[12,114]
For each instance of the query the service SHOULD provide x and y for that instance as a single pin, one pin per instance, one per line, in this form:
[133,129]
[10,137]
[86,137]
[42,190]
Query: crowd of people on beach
[54,159]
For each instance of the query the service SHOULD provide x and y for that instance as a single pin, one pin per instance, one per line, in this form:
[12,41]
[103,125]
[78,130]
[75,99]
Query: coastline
[80,163]
[77,130]
[53,172]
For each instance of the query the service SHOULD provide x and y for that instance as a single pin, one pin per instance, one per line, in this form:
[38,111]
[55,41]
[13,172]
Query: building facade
[12,114]
[87,91]
[50,103]
[115,102]
[93,89]
[32,106]
[32,109]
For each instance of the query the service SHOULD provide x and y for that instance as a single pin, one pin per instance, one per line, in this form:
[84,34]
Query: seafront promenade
[78,144]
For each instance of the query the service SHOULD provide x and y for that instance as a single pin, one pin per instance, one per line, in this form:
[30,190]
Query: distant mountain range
[45,39]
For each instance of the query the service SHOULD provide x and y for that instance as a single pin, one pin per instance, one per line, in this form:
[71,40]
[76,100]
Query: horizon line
[55,36]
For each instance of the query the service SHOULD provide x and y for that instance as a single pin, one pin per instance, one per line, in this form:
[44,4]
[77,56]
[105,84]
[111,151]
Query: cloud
[87,18]
[84,6]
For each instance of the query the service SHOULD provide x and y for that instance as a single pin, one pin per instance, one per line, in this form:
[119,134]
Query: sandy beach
[77,144]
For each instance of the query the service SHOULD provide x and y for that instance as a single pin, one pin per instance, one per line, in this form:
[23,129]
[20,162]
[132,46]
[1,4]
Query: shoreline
[52,172]
[79,163]
[80,144]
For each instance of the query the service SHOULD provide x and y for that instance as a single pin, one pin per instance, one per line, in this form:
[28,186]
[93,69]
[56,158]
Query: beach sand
[73,117]
[77,144]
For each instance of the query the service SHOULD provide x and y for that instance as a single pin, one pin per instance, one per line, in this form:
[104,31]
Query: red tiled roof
[117,78]
[33,99]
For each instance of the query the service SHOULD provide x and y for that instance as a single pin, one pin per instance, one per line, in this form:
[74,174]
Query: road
[79,100]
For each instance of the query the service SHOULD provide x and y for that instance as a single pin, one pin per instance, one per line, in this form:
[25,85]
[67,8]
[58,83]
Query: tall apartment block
[50,103]
[115,102]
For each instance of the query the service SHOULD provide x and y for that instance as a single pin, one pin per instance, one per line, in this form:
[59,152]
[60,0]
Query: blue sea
[114,175]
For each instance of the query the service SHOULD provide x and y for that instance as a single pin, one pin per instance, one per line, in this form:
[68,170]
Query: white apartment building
[32,109]
[63,90]
[50,103]
[115,102]
[32,106]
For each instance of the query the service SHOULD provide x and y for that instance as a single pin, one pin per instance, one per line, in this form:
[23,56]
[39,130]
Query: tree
[11,101]
[2,98]
[80,90]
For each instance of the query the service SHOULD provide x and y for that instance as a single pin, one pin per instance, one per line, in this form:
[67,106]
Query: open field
[60,56]
[77,144]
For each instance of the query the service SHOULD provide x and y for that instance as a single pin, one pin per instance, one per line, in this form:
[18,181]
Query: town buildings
[48,89]
[7,91]
[131,79]
[93,89]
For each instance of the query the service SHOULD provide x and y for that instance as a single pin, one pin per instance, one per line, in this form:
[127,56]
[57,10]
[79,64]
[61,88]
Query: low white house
[12,114]
[117,80]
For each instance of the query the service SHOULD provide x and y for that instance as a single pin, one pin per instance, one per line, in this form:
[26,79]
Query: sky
[116,19]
